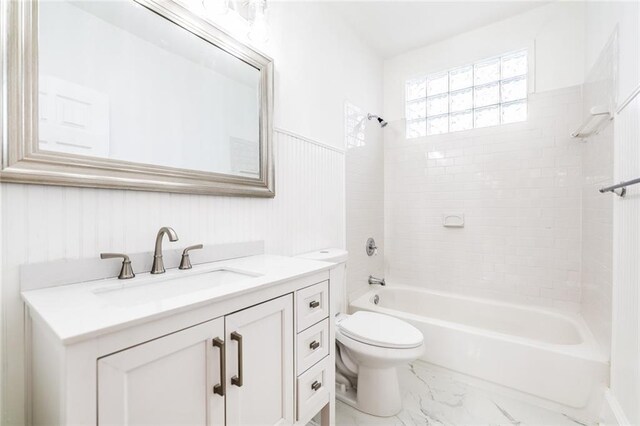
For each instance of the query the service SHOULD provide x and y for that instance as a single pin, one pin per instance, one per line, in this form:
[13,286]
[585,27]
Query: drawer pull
[314,345]
[314,304]
[219,389]
[316,385]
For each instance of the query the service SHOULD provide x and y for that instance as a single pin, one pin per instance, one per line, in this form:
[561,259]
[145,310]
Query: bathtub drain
[376,299]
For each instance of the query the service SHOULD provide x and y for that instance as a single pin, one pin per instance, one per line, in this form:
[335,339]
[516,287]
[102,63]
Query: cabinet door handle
[314,345]
[314,304]
[219,388]
[316,385]
[237,380]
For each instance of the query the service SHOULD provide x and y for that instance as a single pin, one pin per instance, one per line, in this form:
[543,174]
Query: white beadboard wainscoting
[43,223]
[625,342]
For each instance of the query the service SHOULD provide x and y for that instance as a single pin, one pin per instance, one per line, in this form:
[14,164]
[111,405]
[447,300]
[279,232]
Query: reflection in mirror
[119,81]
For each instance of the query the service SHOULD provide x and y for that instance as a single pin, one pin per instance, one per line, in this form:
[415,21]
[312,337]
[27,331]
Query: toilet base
[348,396]
[377,393]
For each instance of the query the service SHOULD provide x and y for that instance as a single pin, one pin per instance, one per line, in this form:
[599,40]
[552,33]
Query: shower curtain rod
[622,186]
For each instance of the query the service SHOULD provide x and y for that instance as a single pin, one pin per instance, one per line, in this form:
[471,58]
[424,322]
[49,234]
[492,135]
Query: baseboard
[612,412]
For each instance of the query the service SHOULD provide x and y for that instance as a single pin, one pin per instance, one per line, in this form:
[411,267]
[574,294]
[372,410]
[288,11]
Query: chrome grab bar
[622,187]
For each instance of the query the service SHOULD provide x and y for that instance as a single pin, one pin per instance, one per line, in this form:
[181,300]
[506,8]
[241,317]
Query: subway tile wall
[364,200]
[519,188]
[597,236]
[597,209]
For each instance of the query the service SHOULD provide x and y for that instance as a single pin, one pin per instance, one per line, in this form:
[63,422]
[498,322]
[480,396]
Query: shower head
[377,117]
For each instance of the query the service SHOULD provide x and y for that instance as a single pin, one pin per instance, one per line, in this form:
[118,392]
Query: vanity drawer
[312,305]
[313,390]
[312,345]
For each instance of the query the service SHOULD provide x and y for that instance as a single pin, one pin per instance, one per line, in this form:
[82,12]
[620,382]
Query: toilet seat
[380,330]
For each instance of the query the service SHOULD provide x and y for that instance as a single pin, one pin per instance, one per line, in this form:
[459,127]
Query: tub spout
[373,280]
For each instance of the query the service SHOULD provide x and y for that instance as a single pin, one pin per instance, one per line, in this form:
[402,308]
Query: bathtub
[543,353]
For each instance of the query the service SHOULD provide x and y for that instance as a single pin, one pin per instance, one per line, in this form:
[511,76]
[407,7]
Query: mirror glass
[118,81]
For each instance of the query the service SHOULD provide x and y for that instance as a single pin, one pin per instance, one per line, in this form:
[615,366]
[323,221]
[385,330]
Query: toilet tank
[337,275]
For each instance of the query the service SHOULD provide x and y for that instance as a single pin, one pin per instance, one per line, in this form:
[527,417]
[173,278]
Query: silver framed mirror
[133,94]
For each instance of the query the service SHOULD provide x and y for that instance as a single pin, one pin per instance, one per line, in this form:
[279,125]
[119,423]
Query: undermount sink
[156,288]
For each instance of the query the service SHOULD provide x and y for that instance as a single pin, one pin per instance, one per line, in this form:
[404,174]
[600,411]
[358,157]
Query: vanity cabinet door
[167,381]
[260,370]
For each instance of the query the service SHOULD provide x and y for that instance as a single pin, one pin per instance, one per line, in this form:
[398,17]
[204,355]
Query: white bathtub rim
[575,318]
[583,350]
[588,349]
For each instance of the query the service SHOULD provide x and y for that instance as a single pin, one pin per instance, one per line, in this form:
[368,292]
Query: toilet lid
[380,330]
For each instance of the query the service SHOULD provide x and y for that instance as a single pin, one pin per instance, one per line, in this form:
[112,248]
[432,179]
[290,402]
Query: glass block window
[354,122]
[487,93]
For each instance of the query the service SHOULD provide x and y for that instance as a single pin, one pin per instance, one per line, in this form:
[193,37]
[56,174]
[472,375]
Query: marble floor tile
[433,396]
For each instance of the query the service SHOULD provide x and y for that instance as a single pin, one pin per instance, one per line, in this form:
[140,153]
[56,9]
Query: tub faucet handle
[371,247]
[373,280]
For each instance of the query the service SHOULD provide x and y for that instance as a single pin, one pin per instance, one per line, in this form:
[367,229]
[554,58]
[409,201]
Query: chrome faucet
[158,264]
[373,280]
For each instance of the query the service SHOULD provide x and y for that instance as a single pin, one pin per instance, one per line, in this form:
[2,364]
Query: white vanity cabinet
[245,354]
[166,381]
[259,388]
[179,378]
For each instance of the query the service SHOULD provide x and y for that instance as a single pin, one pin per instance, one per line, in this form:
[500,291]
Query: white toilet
[369,347]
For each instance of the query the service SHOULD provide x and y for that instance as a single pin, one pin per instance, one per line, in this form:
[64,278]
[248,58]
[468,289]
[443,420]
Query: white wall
[314,76]
[518,186]
[597,210]
[365,202]
[554,32]
[625,350]
[319,64]
[311,41]
[597,236]
[602,20]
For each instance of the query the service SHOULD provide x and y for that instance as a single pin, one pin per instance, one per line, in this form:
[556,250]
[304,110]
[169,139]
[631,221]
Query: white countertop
[81,311]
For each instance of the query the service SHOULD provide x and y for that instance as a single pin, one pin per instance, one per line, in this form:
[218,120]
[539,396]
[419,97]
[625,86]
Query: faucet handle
[185,263]
[126,271]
